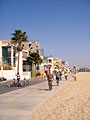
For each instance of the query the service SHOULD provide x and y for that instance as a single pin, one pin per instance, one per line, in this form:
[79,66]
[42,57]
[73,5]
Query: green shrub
[34,74]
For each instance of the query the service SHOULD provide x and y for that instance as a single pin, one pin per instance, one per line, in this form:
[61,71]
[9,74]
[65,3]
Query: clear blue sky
[61,26]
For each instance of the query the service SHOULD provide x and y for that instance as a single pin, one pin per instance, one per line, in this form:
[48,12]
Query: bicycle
[50,85]
[57,81]
[25,82]
[14,83]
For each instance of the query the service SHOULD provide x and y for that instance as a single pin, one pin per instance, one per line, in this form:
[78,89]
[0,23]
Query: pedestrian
[60,74]
[65,74]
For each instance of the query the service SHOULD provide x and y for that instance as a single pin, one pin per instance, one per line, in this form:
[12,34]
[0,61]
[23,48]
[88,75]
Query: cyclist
[57,79]
[50,80]
[18,79]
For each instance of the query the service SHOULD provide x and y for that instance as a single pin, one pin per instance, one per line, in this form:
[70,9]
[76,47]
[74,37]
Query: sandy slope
[72,102]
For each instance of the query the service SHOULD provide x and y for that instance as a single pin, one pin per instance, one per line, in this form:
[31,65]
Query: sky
[61,26]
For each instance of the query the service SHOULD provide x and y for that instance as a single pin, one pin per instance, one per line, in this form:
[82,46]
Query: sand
[72,102]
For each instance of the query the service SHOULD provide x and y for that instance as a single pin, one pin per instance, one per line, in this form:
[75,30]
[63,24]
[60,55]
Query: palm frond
[18,38]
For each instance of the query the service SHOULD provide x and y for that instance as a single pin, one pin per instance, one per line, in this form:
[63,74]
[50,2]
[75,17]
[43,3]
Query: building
[9,56]
[7,53]
[57,64]
[47,65]
[42,52]
[33,46]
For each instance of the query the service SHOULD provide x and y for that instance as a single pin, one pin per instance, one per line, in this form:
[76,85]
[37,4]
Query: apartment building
[47,65]
[34,46]
[9,55]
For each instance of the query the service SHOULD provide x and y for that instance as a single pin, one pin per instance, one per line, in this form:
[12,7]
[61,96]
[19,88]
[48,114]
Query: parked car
[3,78]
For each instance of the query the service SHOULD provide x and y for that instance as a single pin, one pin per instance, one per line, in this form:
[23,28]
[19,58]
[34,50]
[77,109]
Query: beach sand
[71,102]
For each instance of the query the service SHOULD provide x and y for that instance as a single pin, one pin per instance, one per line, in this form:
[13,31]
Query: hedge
[34,74]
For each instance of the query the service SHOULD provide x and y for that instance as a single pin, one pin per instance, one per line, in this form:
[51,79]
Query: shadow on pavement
[44,89]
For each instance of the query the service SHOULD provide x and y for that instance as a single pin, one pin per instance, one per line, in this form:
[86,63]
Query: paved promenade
[72,102]
[20,104]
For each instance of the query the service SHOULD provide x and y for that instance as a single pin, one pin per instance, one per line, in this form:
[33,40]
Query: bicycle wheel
[8,84]
[26,82]
[50,86]
[21,84]
[57,83]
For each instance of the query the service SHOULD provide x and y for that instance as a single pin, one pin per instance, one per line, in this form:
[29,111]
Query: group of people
[50,78]
[58,76]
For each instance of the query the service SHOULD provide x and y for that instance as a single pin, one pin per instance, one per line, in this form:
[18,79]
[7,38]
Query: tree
[34,59]
[17,40]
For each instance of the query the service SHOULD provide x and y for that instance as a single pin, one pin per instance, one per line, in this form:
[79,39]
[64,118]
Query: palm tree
[34,59]
[17,40]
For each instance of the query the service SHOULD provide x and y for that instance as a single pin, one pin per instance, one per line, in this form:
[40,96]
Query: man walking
[65,75]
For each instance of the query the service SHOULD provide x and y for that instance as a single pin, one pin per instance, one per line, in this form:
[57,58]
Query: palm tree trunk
[32,66]
[35,67]
[18,62]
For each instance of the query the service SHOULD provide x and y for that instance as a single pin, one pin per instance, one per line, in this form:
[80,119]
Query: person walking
[65,74]
[60,74]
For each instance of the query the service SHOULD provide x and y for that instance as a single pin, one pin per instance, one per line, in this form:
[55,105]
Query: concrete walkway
[19,104]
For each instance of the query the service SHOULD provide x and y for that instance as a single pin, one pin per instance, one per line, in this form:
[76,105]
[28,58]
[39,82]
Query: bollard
[74,78]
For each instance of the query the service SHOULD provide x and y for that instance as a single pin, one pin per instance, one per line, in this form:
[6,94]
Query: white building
[9,59]
[33,46]
[47,65]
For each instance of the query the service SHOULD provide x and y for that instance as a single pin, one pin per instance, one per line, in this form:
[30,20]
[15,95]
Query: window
[50,61]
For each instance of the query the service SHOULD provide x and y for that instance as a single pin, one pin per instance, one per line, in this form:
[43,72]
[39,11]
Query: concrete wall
[27,75]
[9,74]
